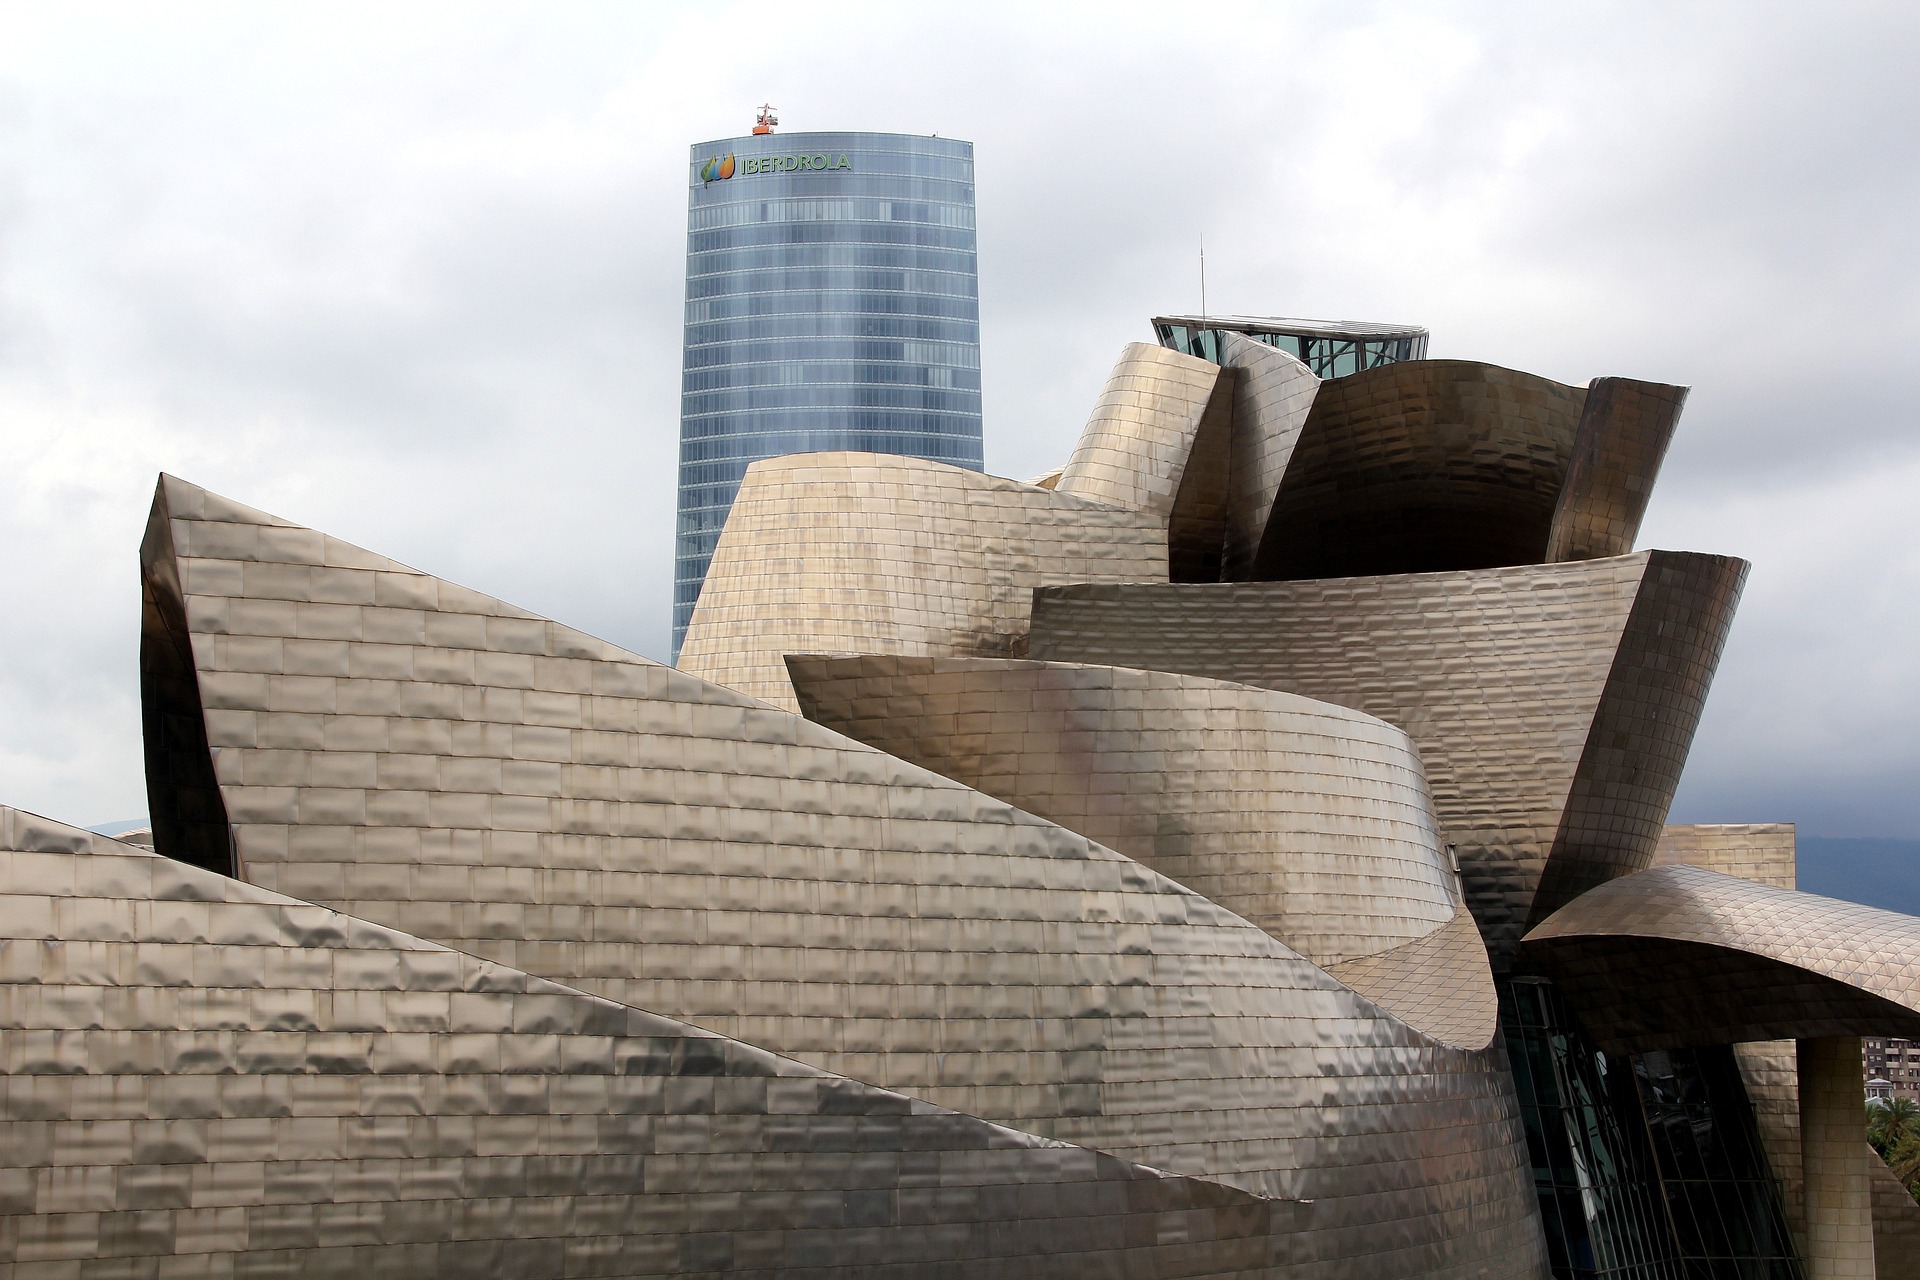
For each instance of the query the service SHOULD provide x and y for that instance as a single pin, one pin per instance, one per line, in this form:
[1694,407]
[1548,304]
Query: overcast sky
[412,275]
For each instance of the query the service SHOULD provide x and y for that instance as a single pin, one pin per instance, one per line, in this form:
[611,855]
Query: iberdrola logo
[715,167]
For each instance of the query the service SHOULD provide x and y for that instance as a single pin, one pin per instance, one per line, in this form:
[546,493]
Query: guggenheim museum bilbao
[1238,852]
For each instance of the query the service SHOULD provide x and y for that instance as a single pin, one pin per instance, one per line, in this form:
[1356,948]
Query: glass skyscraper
[832,303]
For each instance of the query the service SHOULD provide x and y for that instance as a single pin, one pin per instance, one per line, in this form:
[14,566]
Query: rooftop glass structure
[832,303]
[1331,348]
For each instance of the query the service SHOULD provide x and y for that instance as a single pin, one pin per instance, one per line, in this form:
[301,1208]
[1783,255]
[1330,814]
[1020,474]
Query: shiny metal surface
[1764,852]
[1272,395]
[1440,983]
[1551,704]
[859,553]
[1419,466]
[426,757]
[1310,820]
[1157,441]
[1642,728]
[1625,427]
[1134,450]
[198,1077]
[1105,925]
[1678,955]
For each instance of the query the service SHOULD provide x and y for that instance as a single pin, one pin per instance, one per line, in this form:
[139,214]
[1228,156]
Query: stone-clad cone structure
[1239,853]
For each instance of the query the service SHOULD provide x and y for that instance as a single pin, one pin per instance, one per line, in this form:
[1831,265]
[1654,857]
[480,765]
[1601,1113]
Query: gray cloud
[414,277]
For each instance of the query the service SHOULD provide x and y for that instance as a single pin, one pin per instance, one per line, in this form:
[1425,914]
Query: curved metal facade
[1273,393]
[430,759]
[205,1078]
[1420,466]
[1763,963]
[832,304]
[862,553]
[1306,819]
[1625,427]
[1112,909]
[1552,704]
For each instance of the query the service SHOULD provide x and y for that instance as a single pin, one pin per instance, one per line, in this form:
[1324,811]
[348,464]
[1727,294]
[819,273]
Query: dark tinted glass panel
[1599,1188]
[1720,1193]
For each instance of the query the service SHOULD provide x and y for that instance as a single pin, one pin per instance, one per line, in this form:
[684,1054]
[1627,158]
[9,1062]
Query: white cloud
[413,276]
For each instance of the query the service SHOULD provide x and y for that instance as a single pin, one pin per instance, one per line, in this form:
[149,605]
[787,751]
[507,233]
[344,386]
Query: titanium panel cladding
[832,303]
[201,1078]
[419,755]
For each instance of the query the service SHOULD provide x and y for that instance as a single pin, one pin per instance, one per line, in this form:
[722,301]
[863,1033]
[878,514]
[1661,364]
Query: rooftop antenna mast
[766,120]
[1203,277]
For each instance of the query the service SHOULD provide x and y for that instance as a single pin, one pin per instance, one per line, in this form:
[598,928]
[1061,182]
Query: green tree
[1891,1122]
[1893,1127]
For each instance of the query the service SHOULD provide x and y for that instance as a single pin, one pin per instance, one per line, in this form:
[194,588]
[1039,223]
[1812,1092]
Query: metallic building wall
[1499,676]
[426,757]
[1440,982]
[1764,853]
[857,553]
[1759,962]
[201,1078]
[1271,398]
[829,306]
[1625,427]
[1135,447]
[732,991]
[1158,442]
[1421,466]
[1309,820]
[1643,726]
[183,798]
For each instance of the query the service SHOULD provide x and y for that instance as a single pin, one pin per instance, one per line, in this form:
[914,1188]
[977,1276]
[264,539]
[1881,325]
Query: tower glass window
[832,303]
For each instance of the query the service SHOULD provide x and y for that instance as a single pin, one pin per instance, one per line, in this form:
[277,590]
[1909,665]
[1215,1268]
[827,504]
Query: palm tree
[1893,1127]
[1891,1122]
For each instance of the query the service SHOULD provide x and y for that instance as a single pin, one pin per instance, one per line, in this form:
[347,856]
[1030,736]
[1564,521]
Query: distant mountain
[1879,872]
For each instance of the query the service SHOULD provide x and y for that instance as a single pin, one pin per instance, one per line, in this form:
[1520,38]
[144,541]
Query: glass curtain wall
[1592,1164]
[1722,1198]
[1327,356]
[1648,1166]
[832,303]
